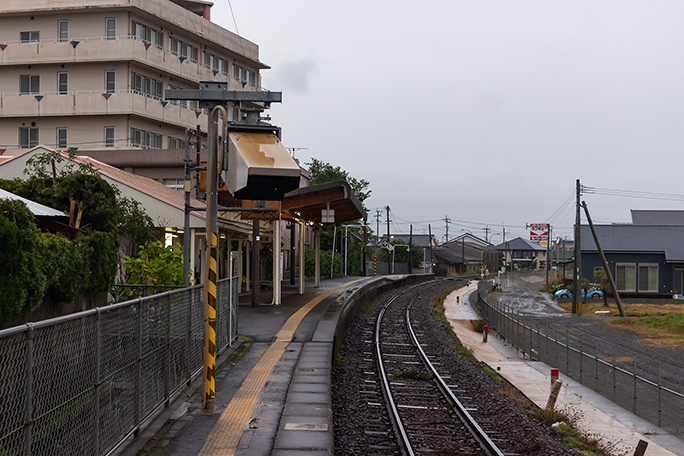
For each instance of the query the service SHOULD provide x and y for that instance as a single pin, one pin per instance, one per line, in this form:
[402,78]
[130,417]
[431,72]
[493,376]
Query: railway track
[394,398]
[427,415]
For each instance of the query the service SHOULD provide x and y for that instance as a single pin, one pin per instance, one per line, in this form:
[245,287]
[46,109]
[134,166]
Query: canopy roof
[309,203]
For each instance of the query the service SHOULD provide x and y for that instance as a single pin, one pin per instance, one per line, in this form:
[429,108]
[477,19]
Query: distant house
[643,259]
[520,253]
[468,252]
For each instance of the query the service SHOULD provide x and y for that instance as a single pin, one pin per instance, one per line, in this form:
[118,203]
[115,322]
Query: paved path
[599,416]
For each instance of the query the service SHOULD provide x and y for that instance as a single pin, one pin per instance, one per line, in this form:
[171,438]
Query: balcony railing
[90,103]
[102,49]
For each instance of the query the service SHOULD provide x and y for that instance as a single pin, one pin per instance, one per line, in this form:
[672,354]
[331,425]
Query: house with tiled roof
[520,253]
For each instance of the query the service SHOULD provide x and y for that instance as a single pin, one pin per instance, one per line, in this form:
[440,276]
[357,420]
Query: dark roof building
[643,259]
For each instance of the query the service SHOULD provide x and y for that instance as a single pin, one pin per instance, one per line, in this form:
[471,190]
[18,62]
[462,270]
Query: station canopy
[314,203]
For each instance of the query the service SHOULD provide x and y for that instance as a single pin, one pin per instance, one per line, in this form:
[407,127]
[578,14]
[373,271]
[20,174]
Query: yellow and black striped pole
[210,276]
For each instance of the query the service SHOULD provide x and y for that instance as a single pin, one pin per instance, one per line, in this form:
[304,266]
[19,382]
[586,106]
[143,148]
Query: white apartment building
[91,75]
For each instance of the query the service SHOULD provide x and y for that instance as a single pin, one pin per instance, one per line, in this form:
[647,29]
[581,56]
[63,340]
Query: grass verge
[565,422]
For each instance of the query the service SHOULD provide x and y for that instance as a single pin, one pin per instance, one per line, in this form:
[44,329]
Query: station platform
[599,416]
[272,399]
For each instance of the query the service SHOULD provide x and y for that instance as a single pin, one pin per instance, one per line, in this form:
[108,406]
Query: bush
[23,283]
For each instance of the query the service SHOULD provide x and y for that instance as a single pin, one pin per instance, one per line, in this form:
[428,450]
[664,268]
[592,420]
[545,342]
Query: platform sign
[539,233]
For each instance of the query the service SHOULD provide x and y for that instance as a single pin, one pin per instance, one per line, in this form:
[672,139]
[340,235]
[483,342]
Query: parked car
[591,293]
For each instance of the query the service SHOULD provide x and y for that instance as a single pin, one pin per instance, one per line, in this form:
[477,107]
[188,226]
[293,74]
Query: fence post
[635,384]
[167,352]
[580,360]
[555,343]
[138,372]
[596,366]
[96,392]
[28,393]
[188,348]
[567,354]
[659,394]
[614,375]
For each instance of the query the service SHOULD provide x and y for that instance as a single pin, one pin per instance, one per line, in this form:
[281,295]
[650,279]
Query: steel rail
[394,412]
[466,418]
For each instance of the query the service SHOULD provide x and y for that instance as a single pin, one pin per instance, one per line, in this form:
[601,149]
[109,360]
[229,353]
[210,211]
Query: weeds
[414,373]
[492,373]
[565,422]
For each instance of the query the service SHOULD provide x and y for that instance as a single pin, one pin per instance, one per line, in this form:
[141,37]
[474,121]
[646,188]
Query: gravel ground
[525,434]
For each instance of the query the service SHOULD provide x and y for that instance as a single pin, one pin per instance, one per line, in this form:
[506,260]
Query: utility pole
[377,234]
[388,239]
[447,220]
[214,96]
[410,249]
[430,245]
[576,270]
[548,246]
[486,230]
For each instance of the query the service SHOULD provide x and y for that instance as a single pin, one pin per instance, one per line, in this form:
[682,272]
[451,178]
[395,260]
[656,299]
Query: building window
[146,86]
[648,277]
[29,37]
[110,81]
[29,83]
[182,49]
[62,138]
[109,136]
[110,28]
[63,30]
[244,75]
[62,83]
[145,139]
[176,184]
[147,34]
[174,143]
[625,277]
[28,137]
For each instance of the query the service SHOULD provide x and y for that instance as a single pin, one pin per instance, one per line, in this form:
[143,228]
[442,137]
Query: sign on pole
[539,233]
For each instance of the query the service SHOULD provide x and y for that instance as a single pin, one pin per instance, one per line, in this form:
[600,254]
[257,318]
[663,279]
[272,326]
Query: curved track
[427,415]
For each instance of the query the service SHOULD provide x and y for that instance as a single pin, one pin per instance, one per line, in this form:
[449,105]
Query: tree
[37,267]
[322,172]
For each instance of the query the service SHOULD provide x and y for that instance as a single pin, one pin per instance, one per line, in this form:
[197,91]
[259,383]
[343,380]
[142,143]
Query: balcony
[99,49]
[98,104]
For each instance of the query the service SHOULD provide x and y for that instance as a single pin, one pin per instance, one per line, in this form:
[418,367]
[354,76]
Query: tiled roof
[519,244]
[145,185]
[636,238]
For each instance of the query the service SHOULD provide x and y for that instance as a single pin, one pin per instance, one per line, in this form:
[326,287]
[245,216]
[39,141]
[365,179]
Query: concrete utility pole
[548,246]
[447,220]
[486,230]
[577,269]
[388,239]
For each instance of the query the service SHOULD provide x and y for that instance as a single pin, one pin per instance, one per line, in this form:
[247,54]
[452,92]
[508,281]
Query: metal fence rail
[615,376]
[82,383]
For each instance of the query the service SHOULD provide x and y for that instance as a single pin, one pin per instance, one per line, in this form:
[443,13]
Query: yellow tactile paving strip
[225,436]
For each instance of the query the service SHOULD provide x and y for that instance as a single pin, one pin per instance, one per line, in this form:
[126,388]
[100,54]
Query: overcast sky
[483,111]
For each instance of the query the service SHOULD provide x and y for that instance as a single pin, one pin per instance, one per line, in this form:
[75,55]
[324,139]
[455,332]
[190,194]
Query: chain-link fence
[614,375]
[80,384]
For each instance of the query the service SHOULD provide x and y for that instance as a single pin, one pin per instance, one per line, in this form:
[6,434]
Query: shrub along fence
[613,375]
[82,383]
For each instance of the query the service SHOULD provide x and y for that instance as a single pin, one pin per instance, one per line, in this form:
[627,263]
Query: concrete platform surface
[598,416]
